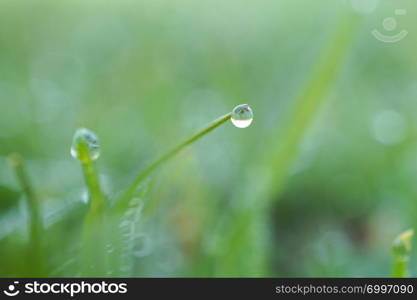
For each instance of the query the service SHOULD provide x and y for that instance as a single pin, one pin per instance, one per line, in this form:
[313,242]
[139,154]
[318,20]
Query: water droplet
[242,116]
[85,145]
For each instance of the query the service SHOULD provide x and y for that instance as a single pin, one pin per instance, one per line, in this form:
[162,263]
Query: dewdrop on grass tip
[242,116]
[88,139]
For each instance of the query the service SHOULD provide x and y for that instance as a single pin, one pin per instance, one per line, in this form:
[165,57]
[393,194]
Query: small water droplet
[242,116]
[88,139]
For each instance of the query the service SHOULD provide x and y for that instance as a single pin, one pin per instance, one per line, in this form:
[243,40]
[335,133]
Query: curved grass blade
[93,257]
[123,201]
[34,251]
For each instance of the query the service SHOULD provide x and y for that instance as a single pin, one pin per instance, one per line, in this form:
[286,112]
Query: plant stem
[400,268]
[93,243]
[96,195]
[34,255]
[123,201]
[401,249]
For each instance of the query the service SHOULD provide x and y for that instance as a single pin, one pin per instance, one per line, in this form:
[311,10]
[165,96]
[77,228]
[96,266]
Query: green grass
[251,216]
[35,256]
[319,185]
[122,202]
[102,227]
[401,249]
[93,252]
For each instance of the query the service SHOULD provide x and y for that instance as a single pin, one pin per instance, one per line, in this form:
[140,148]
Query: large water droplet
[85,145]
[242,116]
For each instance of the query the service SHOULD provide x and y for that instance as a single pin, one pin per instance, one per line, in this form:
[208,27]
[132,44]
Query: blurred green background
[143,75]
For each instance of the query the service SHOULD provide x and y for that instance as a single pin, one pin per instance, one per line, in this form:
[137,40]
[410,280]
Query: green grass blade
[124,204]
[309,104]
[401,249]
[244,246]
[123,201]
[93,257]
[35,251]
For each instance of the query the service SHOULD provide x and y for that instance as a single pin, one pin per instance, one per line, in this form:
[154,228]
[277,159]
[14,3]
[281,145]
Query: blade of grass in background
[35,260]
[401,249]
[245,243]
